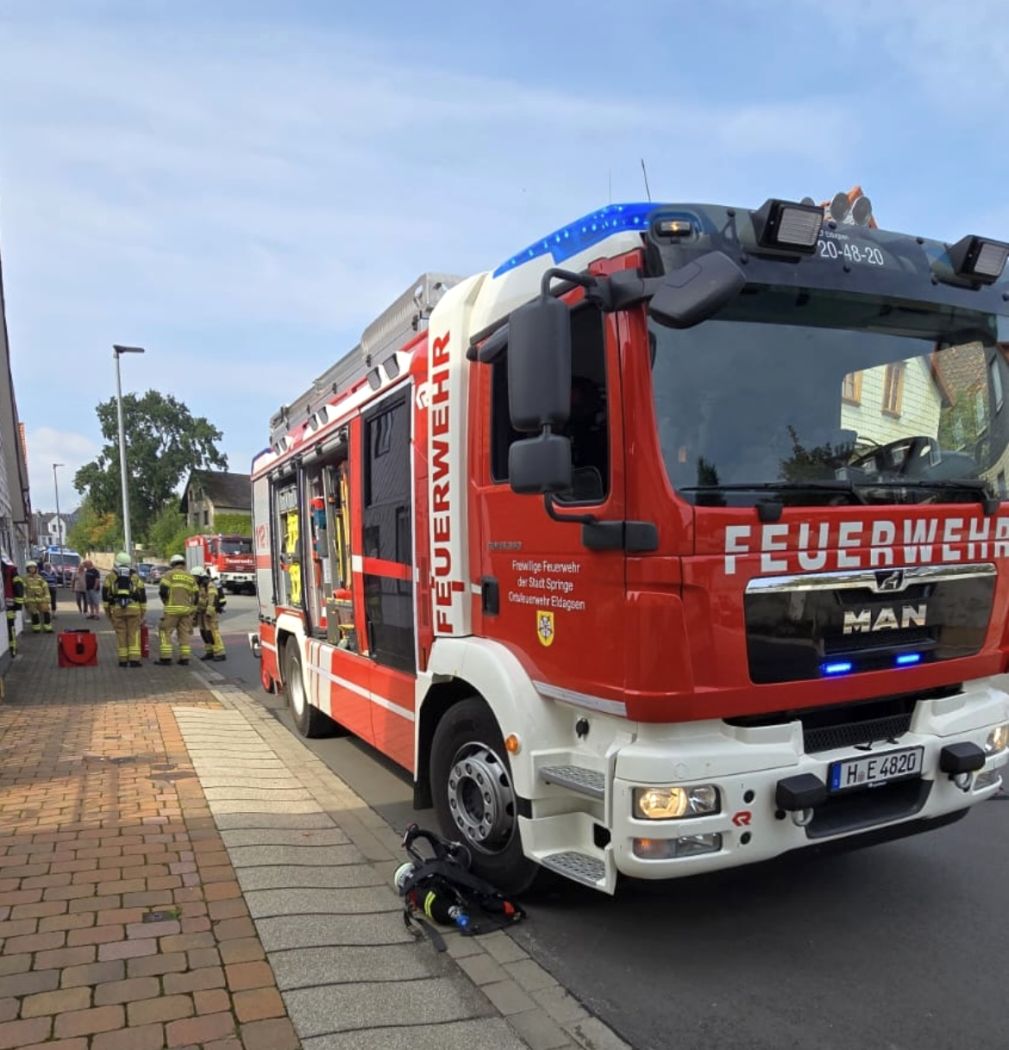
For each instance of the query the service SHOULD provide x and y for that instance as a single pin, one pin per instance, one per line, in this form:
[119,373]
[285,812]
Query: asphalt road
[895,947]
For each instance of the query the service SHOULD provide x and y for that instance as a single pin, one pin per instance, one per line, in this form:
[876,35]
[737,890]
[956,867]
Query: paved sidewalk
[177,870]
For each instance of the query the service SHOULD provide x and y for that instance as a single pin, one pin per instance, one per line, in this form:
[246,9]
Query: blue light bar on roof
[583,233]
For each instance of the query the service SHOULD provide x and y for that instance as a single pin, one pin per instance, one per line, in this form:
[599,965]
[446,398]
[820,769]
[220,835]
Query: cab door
[557,603]
[387,571]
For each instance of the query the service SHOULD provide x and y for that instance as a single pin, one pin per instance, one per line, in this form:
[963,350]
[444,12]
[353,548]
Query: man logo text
[866,620]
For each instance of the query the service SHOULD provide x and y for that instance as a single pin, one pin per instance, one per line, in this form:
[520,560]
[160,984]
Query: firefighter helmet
[122,559]
[176,559]
[198,571]
[31,564]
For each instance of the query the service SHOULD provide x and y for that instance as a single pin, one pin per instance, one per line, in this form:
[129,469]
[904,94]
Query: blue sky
[242,187]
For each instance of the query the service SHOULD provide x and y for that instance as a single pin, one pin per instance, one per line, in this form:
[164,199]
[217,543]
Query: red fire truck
[673,543]
[229,557]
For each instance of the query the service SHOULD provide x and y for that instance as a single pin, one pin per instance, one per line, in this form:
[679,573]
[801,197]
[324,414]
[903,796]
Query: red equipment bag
[145,641]
[77,648]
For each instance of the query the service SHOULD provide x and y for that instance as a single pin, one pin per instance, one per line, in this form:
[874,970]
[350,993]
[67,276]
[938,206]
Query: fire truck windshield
[823,398]
[232,546]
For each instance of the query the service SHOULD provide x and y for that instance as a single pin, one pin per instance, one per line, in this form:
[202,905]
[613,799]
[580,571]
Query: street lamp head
[117,349]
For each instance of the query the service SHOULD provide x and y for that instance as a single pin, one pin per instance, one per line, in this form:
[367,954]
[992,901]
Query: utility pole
[117,351]
[59,521]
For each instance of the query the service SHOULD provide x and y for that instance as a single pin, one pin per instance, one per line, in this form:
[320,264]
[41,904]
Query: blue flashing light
[908,658]
[583,233]
[840,667]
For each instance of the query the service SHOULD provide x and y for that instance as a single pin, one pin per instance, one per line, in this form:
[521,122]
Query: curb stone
[531,1006]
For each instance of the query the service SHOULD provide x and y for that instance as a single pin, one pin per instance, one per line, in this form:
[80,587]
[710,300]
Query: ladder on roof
[405,317]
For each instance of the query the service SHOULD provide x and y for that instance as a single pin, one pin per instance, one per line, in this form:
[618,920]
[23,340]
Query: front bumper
[754,828]
[746,765]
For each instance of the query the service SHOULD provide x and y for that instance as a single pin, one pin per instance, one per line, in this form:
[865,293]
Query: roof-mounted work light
[861,211]
[979,259]
[852,208]
[787,226]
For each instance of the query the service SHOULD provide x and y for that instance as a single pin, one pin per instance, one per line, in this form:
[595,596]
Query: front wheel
[474,796]
[309,720]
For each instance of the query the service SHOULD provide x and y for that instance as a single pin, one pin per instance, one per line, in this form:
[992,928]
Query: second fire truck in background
[229,557]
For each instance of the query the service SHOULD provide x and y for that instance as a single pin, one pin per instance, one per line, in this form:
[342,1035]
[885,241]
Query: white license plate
[874,770]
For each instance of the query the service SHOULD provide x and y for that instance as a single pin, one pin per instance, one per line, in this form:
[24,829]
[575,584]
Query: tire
[308,720]
[474,798]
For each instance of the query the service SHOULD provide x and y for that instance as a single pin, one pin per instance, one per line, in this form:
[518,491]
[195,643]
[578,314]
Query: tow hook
[800,795]
[961,762]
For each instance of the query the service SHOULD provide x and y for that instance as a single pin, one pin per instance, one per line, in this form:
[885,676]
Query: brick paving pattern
[179,871]
[122,924]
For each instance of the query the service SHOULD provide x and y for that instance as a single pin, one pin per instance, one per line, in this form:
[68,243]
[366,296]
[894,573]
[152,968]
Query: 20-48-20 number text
[863,254]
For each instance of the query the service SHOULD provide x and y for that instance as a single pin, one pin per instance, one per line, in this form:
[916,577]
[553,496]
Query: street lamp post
[116,352]
[59,523]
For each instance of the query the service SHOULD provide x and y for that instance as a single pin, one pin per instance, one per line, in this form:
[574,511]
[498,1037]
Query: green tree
[239,524]
[168,531]
[93,531]
[164,441]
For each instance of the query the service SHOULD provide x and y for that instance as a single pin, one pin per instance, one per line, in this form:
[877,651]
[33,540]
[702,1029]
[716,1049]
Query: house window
[1001,484]
[206,517]
[893,389]
[851,388]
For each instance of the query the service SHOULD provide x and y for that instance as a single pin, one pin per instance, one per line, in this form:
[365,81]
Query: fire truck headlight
[672,803]
[998,740]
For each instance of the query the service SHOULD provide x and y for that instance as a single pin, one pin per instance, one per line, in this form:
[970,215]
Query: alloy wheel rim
[481,799]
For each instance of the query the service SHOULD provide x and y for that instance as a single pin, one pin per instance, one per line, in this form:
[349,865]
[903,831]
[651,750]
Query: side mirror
[696,291]
[540,464]
[539,365]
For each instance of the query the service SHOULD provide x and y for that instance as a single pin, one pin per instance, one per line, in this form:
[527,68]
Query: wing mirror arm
[616,292]
[550,506]
[679,299]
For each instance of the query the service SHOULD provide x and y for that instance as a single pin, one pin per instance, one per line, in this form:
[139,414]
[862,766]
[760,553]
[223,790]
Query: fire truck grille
[796,631]
[850,725]
[852,734]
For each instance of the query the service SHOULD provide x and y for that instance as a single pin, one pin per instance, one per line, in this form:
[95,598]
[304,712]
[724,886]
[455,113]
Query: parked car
[144,570]
[156,572]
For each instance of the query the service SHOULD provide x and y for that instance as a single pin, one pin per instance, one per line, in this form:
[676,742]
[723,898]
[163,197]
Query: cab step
[579,867]
[588,782]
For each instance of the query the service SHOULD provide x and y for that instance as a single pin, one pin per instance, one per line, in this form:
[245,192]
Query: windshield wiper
[770,509]
[847,487]
[976,486]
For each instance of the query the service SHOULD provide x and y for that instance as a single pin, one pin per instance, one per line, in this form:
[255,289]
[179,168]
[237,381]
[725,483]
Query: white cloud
[175,185]
[218,179]
[957,52]
[46,446]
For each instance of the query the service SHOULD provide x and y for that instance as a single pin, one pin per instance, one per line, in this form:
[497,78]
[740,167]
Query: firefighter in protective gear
[14,600]
[37,599]
[210,603]
[125,599]
[178,593]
